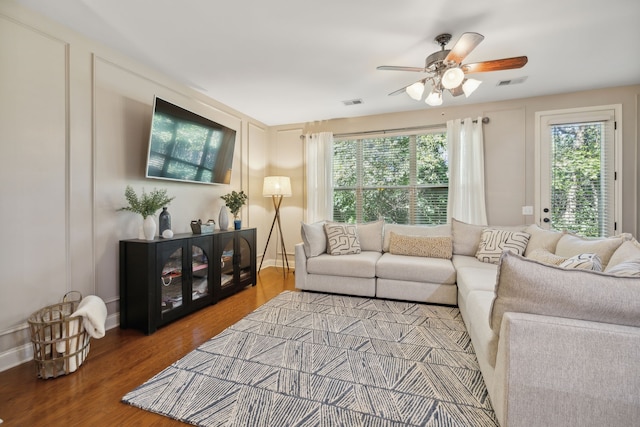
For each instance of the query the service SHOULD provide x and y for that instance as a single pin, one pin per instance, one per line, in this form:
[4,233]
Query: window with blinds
[401,178]
[582,177]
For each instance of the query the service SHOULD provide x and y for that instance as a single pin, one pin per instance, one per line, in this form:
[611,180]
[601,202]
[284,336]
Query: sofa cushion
[471,279]
[462,261]
[570,245]
[527,286]
[370,235]
[494,241]
[342,239]
[583,261]
[314,238]
[627,251]
[417,269]
[414,230]
[539,238]
[425,246]
[355,265]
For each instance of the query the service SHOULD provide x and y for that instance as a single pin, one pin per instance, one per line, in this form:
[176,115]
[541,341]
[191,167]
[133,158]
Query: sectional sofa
[554,318]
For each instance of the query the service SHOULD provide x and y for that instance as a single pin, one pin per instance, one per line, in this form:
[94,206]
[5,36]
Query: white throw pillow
[627,268]
[342,239]
[627,251]
[370,235]
[583,262]
[493,242]
[544,256]
[314,238]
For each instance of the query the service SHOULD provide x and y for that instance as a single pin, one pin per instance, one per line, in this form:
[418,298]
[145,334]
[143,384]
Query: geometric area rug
[313,359]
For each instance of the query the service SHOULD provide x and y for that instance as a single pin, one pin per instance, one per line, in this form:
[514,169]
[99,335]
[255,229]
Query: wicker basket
[60,342]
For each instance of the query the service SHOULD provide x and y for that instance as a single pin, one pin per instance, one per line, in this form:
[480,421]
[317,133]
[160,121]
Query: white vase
[223,218]
[149,227]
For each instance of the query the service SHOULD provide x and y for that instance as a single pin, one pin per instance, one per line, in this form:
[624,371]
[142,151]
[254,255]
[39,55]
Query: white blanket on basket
[94,316]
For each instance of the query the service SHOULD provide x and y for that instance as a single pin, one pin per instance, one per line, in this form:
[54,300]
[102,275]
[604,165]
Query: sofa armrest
[553,371]
[301,266]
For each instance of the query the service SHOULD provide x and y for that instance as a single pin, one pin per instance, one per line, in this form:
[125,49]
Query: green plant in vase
[234,201]
[146,205]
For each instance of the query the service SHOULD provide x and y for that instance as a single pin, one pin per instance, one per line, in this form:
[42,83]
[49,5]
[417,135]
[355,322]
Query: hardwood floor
[121,361]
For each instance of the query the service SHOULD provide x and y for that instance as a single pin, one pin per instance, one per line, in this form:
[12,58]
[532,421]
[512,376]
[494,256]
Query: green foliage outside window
[402,179]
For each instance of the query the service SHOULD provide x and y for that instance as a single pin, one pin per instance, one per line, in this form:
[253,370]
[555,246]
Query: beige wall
[510,145]
[74,119]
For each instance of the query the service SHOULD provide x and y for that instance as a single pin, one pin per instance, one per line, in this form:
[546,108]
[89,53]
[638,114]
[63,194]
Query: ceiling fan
[446,70]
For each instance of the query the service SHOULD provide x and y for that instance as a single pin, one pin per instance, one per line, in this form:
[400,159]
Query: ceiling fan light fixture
[434,99]
[469,86]
[415,90]
[452,78]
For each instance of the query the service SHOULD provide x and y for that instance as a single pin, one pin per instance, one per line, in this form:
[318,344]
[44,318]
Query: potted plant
[234,202]
[146,205]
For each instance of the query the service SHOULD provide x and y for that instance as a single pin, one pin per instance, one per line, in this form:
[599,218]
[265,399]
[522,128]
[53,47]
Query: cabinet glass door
[200,272]
[226,265]
[245,260]
[171,282]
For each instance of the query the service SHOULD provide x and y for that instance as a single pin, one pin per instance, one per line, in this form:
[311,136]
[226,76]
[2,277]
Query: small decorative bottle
[165,220]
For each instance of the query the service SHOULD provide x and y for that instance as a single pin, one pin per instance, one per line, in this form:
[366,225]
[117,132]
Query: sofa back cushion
[542,239]
[413,230]
[627,251]
[314,238]
[370,235]
[527,286]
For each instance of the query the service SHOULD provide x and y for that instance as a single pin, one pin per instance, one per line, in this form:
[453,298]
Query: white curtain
[466,171]
[318,156]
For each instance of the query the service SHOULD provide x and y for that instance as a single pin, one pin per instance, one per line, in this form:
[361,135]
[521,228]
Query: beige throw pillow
[370,235]
[544,256]
[493,242]
[570,245]
[466,237]
[414,230]
[526,286]
[423,246]
[541,239]
[342,239]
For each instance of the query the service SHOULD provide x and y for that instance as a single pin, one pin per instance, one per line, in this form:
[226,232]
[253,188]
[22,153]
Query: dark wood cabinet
[164,279]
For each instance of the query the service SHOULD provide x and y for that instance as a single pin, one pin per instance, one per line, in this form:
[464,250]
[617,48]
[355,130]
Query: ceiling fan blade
[463,47]
[396,68]
[495,65]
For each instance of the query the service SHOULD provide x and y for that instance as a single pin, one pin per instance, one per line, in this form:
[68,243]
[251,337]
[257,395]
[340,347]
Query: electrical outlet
[527,210]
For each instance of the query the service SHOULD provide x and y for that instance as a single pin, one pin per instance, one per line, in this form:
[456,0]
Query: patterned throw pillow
[426,246]
[494,241]
[583,262]
[342,239]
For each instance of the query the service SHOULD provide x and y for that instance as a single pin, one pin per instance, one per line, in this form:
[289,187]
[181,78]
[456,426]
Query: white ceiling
[283,61]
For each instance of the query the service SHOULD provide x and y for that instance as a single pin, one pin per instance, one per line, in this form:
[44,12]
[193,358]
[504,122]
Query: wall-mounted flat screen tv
[184,146]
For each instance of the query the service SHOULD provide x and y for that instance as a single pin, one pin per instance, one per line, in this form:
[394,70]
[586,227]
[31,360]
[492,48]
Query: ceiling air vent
[512,81]
[353,102]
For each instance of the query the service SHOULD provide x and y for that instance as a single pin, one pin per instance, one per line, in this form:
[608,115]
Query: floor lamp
[276,187]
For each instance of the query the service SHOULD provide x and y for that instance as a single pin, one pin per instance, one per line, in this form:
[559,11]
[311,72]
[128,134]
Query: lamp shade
[452,78]
[415,90]
[434,99]
[276,186]
[469,86]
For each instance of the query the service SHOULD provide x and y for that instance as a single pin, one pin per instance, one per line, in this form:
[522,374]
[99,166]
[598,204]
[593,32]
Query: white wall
[75,121]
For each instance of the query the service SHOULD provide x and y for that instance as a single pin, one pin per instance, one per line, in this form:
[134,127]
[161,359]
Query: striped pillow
[494,241]
[626,268]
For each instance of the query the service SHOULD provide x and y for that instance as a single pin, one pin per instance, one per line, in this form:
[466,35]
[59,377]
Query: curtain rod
[485,120]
